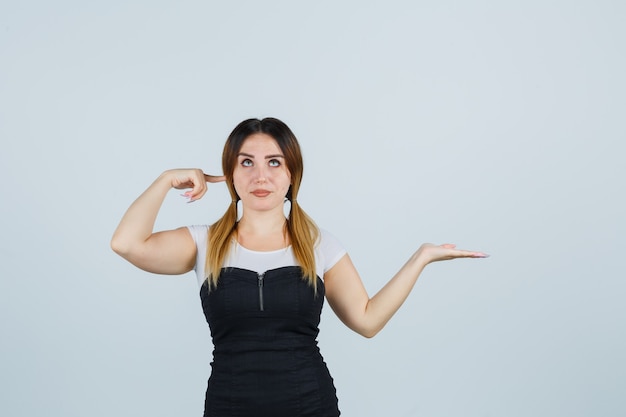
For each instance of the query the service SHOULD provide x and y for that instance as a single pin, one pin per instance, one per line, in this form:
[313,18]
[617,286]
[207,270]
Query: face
[261,177]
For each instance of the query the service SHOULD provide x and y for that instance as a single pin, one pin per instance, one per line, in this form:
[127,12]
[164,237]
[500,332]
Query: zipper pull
[261,307]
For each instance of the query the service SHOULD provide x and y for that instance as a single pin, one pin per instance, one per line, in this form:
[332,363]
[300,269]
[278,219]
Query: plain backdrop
[495,125]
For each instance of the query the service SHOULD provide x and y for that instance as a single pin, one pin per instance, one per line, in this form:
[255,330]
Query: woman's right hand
[194,179]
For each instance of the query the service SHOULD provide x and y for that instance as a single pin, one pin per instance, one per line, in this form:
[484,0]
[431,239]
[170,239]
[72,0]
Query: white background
[495,125]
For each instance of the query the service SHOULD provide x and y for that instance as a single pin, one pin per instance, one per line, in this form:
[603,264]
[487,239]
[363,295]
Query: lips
[261,193]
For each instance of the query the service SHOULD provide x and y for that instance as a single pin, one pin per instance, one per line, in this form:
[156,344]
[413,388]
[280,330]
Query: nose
[261,175]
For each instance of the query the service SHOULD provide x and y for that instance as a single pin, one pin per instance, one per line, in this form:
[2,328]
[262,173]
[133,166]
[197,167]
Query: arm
[367,316]
[167,252]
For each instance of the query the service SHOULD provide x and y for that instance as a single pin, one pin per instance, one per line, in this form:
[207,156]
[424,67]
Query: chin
[262,206]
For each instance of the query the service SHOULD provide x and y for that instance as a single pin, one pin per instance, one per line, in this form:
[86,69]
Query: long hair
[300,228]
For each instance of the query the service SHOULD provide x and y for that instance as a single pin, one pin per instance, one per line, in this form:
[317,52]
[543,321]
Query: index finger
[214,178]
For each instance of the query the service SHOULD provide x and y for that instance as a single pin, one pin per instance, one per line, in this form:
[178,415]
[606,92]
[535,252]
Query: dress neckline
[240,246]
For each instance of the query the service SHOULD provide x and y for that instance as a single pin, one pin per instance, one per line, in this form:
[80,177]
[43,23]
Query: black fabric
[266,361]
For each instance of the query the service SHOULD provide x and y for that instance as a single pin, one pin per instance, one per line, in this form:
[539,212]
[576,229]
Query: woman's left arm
[367,316]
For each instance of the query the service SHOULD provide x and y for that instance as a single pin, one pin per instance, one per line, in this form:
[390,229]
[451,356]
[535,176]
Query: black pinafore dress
[266,361]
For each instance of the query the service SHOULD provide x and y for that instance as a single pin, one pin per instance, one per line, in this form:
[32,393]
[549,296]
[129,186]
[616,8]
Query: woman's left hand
[429,253]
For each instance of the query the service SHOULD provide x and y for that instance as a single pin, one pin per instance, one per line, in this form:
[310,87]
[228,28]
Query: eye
[274,163]
[246,162]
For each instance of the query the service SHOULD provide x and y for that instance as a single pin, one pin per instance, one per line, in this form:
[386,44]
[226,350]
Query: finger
[471,254]
[194,194]
[183,185]
[199,190]
[214,178]
[198,187]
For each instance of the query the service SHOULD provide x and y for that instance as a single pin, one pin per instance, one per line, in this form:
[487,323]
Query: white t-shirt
[328,251]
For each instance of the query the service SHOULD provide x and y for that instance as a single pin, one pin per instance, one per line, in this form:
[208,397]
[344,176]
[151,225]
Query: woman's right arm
[168,252]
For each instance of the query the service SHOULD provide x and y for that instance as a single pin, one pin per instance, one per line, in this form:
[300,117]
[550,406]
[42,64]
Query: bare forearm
[382,306]
[137,223]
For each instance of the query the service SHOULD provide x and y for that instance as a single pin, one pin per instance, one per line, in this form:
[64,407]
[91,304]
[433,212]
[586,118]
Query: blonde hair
[300,228]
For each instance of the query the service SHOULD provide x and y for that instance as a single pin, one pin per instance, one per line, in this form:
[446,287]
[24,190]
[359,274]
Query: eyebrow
[266,157]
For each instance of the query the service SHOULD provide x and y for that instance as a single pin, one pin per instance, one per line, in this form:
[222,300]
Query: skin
[262,180]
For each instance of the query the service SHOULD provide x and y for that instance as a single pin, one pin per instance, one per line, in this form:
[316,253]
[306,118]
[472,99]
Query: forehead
[260,143]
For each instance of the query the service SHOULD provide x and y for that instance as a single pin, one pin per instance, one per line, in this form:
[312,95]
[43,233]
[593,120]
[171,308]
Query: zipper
[261,307]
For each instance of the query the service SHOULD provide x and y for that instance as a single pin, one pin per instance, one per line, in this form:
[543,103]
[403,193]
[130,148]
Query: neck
[262,223]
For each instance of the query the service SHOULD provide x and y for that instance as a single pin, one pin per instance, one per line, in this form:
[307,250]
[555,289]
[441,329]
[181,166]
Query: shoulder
[199,233]
[330,248]
[326,237]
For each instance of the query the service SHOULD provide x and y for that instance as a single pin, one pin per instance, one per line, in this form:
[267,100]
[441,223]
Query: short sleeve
[331,250]
[200,235]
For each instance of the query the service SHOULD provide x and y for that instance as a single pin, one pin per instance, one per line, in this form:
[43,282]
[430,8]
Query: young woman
[263,277]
